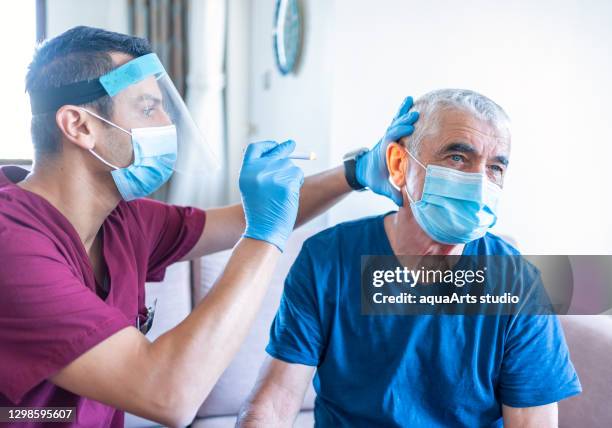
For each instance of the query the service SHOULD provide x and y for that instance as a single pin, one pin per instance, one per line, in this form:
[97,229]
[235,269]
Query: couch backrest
[589,338]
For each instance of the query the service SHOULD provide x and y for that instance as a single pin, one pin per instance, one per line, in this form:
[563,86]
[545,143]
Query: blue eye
[457,158]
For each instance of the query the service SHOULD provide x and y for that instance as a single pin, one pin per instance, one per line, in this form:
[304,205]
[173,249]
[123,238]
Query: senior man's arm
[277,395]
[531,417]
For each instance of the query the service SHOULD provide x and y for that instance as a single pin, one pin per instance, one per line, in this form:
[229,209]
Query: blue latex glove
[270,188]
[372,166]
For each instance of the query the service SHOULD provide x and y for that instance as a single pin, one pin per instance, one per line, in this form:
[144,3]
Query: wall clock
[287,35]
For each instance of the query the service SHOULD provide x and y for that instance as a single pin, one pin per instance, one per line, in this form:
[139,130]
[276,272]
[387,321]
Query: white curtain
[205,100]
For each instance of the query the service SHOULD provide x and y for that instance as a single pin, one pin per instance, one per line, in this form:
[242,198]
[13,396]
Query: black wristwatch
[350,168]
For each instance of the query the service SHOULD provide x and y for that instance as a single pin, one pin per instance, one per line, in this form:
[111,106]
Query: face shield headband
[50,99]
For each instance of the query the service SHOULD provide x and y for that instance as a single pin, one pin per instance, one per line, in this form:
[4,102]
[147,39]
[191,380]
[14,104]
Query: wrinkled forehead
[454,126]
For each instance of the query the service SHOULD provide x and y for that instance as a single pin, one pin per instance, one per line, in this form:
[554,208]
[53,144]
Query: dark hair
[81,53]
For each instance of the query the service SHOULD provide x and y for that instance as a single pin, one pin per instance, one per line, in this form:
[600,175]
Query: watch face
[287,35]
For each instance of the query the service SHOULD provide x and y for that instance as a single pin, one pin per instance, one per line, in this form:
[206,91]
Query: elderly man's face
[463,143]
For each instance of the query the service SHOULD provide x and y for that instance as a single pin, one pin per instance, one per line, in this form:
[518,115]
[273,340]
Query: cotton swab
[303,156]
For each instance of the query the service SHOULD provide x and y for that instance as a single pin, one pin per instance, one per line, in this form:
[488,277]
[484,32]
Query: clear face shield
[147,106]
[144,96]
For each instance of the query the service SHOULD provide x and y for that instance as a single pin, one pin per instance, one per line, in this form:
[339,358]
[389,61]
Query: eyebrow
[458,147]
[501,159]
[148,97]
[462,147]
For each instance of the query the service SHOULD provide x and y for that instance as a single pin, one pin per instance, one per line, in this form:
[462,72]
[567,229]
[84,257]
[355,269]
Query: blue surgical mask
[155,153]
[456,207]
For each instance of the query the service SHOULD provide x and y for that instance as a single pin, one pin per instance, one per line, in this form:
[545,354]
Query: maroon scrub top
[50,313]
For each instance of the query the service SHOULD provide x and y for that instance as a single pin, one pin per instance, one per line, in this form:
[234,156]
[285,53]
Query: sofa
[589,339]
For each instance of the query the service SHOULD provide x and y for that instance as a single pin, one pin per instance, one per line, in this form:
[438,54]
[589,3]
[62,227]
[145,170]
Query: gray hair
[432,104]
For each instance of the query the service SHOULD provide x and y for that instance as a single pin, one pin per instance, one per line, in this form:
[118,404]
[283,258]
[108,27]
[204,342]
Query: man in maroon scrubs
[78,241]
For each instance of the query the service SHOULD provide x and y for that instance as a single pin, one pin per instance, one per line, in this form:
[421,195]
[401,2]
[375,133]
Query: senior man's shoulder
[495,245]
[347,236]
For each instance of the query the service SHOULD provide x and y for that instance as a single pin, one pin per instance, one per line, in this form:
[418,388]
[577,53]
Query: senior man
[417,371]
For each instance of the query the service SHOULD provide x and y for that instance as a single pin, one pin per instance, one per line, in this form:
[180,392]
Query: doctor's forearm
[320,192]
[225,226]
[190,358]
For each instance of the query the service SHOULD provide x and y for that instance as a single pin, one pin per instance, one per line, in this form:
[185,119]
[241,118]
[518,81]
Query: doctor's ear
[396,164]
[76,126]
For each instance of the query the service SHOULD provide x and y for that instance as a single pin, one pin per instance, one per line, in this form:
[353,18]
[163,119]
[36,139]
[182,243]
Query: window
[18,38]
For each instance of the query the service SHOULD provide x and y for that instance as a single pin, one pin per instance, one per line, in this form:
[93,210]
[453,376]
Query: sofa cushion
[589,338]
[305,419]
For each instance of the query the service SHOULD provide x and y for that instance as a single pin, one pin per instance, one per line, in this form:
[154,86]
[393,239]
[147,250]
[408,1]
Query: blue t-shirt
[417,371]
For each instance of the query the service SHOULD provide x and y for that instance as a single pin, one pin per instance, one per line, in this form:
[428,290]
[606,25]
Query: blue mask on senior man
[456,207]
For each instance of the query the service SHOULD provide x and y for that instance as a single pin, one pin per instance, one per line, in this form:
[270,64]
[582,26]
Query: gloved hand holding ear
[371,168]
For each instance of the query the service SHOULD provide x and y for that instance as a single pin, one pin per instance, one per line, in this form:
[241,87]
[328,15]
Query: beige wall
[108,14]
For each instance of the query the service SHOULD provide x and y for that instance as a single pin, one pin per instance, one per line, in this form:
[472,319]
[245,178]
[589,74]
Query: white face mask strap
[105,120]
[110,123]
[102,160]
[408,193]
[396,187]
[415,159]
[406,185]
